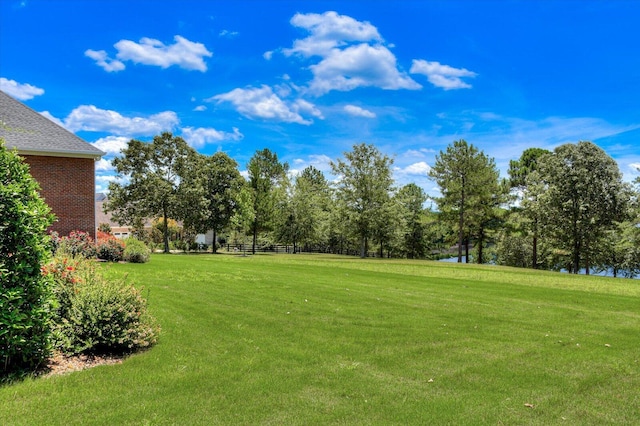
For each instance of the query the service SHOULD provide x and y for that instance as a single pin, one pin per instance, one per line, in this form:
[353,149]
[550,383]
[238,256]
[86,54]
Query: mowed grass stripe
[333,340]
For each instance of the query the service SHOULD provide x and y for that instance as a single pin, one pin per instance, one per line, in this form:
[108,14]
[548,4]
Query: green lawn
[292,339]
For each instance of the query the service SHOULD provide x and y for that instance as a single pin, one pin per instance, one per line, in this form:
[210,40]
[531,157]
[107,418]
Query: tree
[267,179]
[364,187]
[520,169]
[410,201]
[214,186]
[524,177]
[468,180]
[152,174]
[619,248]
[583,197]
[25,294]
[486,213]
[307,209]
[243,218]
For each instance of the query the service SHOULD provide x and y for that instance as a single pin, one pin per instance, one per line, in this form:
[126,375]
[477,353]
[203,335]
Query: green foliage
[96,315]
[364,191]
[153,171]
[159,228]
[583,196]
[268,181]
[471,192]
[519,170]
[24,292]
[410,201]
[513,250]
[65,273]
[213,189]
[104,227]
[306,211]
[136,251]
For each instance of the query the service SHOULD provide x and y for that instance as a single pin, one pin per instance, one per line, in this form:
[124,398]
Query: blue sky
[309,79]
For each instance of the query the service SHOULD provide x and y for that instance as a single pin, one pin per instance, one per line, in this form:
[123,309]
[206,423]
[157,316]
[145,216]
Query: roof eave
[70,154]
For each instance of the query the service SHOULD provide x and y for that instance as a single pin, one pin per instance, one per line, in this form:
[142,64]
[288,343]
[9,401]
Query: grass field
[332,340]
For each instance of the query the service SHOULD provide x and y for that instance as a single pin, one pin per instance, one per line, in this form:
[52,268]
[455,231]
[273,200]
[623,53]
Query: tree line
[563,209]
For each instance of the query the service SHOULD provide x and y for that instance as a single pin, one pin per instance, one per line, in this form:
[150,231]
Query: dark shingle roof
[32,133]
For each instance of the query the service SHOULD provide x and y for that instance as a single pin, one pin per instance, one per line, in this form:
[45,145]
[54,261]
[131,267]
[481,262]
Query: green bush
[136,251]
[25,294]
[94,315]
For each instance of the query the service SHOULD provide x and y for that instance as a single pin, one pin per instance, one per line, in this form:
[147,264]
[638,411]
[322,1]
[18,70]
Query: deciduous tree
[307,209]
[524,178]
[583,197]
[214,185]
[363,188]
[410,201]
[151,174]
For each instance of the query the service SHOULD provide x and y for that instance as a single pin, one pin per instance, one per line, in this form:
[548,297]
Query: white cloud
[352,54]
[442,76]
[328,31]
[103,165]
[254,102]
[268,55]
[302,106]
[106,178]
[56,120]
[90,118]
[102,182]
[103,60]
[321,162]
[200,108]
[359,66]
[20,91]
[183,53]
[416,173]
[201,136]
[358,111]
[505,138]
[420,168]
[228,34]
[112,144]
[418,153]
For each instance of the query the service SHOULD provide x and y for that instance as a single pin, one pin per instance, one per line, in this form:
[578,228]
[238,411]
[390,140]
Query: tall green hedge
[25,294]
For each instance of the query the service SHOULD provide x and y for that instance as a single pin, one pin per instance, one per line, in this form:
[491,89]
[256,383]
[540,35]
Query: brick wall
[68,187]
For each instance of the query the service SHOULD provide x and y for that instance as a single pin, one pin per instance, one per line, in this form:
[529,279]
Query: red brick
[68,187]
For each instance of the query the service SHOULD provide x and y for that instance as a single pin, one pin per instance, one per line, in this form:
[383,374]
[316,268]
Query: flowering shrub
[78,243]
[65,274]
[136,251]
[94,315]
[109,247]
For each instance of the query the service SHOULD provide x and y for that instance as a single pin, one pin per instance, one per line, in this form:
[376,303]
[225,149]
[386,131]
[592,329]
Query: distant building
[61,162]
[124,231]
[119,231]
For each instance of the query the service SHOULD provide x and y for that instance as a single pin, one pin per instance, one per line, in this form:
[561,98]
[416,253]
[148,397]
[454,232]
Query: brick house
[119,231]
[61,162]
